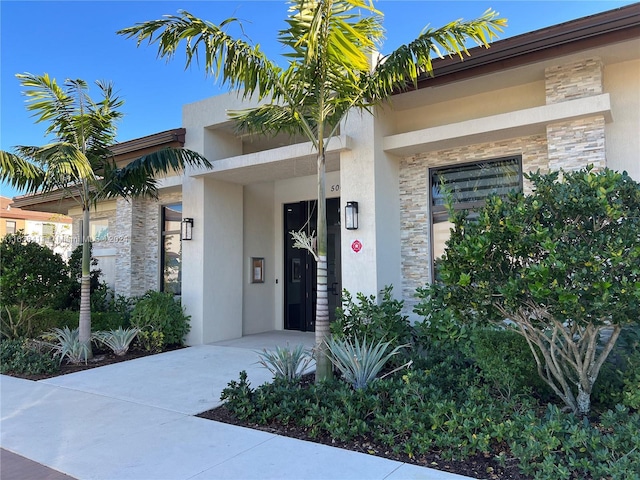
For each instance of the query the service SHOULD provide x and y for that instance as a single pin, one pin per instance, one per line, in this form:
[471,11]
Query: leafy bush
[360,362]
[21,357]
[505,360]
[560,446]
[286,363]
[117,340]
[238,397]
[619,381]
[31,277]
[441,335]
[47,319]
[161,312]
[378,321]
[67,345]
[151,340]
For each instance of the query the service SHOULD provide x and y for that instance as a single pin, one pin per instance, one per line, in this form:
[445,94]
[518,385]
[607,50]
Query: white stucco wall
[212,278]
[259,241]
[622,144]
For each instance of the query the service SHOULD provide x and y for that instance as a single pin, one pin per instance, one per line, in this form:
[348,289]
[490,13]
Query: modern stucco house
[561,97]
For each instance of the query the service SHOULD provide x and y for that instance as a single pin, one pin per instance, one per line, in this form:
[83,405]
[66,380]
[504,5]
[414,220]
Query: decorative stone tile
[575,80]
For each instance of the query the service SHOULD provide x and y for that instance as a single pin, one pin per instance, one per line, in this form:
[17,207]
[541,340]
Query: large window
[468,186]
[171,249]
[11,227]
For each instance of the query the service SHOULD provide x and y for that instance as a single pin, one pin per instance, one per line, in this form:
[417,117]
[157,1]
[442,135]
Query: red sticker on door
[356,246]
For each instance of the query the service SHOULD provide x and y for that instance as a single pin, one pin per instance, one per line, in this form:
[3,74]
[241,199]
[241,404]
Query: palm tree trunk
[85,285]
[323,364]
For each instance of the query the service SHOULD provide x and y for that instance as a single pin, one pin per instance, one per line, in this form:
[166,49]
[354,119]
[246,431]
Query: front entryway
[300,266]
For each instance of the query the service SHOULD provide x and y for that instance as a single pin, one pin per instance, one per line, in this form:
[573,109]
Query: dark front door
[300,266]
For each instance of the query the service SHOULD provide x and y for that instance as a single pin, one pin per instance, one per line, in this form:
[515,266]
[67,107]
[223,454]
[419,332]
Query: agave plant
[67,344]
[360,362]
[117,340]
[286,363]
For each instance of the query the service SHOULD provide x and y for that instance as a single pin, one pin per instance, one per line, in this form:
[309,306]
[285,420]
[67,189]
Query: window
[99,229]
[11,227]
[171,249]
[468,185]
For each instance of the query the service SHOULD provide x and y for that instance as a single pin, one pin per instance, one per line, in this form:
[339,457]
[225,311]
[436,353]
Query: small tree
[79,162]
[562,264]
[31,278]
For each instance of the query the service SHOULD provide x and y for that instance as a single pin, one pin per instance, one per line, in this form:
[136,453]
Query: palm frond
[406,64]
[233,61]
[139,178]
[19,172]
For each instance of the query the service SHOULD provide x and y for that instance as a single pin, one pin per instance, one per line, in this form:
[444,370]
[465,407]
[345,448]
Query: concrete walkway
[134,420]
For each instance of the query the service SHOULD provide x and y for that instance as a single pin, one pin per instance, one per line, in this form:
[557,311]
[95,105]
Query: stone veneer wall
[572,145]
[138,262]
[574,80]
[568,145]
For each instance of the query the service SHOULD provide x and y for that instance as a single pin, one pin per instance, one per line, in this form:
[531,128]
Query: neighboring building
[561,97]
[49,229]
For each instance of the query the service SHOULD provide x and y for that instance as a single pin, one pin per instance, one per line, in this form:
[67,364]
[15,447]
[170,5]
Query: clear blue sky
[76,39]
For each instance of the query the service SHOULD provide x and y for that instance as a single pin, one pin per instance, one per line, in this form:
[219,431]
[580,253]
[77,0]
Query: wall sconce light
[351,216]
[186,232]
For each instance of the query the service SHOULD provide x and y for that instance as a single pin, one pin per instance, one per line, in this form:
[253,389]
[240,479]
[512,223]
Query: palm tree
[332,69]
[79,161]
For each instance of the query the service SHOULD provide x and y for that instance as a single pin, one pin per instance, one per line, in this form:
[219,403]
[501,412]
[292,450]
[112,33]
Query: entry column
[212,280]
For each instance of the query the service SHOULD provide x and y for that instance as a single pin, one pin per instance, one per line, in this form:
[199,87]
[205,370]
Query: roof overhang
[585,33]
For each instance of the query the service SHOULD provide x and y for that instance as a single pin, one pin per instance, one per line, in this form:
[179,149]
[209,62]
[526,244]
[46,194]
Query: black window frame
[438,212]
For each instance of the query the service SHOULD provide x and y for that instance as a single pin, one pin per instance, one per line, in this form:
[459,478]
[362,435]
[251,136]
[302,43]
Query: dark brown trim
[176,135]
[565,38]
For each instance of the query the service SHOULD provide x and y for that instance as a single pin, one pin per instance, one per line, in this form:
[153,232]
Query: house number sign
[356,246]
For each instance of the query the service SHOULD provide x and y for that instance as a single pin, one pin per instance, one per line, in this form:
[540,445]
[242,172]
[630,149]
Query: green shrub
[31,277]
[377,320]
[23,358]
[160,311]
[151,340]
[619,381]
[506,362]
[238,397]
[441,336]
[561,446]
[106,321]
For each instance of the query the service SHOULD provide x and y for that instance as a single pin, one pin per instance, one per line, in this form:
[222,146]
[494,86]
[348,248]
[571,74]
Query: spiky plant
[117,340]
[360,362]
[285,362]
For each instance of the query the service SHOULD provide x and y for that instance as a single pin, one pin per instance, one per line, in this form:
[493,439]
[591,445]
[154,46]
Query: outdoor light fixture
[351,216]
[187,229]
